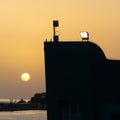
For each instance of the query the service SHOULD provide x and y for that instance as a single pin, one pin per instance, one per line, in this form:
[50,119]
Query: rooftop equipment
[55,24]
[84,36]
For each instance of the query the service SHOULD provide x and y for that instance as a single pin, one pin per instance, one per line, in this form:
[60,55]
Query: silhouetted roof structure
[79,74]
[87,48]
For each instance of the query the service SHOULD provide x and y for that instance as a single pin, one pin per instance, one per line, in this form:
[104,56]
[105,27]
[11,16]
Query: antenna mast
[55,24]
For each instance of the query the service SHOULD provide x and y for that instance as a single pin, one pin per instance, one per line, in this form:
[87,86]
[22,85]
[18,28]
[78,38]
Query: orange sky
[25,24]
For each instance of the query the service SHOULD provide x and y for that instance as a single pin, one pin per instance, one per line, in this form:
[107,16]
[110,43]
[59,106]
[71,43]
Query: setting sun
[25,77]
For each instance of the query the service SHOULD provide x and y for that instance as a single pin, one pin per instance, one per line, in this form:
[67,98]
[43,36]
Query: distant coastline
[6,100]
[20,106]
[37,102]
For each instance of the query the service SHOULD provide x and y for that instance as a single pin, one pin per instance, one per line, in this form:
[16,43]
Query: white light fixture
[84,35]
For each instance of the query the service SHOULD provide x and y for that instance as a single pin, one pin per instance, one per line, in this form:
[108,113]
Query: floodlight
[84,35]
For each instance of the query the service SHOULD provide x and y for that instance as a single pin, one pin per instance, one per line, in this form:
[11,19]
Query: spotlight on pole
[84,36]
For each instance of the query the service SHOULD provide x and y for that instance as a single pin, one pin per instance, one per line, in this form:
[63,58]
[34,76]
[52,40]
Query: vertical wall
[77,82]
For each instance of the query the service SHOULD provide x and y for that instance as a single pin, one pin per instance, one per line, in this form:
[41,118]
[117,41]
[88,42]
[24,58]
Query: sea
[22,115]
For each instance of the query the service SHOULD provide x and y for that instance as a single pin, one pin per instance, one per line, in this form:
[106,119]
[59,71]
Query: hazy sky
[25,24]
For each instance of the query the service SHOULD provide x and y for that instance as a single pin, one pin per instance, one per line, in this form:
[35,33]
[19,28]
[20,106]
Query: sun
[25,77]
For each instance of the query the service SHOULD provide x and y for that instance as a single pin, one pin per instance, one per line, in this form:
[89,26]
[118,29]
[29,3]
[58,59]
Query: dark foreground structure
[37,102]
[81,83]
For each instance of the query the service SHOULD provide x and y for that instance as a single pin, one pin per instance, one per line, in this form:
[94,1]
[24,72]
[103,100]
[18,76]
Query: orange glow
[26,24]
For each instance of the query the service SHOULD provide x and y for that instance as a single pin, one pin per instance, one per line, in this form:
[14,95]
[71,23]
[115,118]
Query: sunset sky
[25,24]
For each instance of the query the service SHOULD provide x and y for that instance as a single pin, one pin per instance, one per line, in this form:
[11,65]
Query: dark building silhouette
[40,99]
[81,83]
